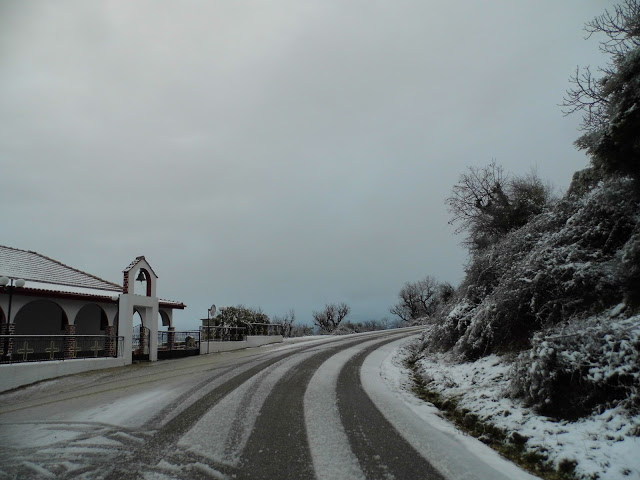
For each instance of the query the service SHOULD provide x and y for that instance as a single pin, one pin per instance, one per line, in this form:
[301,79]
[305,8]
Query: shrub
[567,374]
[575,261]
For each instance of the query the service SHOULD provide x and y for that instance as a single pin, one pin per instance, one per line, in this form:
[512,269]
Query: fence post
[5,341]
[171,338]
[70,341]
[9,329]
[143,340]
[110,341]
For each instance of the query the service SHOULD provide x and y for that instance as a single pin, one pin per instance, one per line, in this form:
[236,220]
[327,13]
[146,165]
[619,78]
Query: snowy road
[327,409]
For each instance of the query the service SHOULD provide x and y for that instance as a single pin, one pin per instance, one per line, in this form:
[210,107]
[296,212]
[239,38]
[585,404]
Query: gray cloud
[276,154]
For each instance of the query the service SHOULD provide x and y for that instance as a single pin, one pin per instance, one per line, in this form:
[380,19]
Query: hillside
[550,315]
[537,352]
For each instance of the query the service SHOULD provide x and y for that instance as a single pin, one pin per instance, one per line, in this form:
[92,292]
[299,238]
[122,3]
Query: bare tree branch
[418,299]
[487,203]
[329,319]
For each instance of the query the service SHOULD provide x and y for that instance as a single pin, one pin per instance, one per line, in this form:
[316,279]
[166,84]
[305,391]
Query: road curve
[288,412]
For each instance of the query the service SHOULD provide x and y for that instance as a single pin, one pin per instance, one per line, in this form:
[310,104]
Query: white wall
[18,374]
[251,341]
[256,341]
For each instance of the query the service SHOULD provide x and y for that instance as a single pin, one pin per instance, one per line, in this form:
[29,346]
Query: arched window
[91,320]
[41,317]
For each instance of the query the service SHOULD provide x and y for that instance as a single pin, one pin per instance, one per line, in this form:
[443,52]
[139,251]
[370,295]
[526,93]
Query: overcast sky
[276,154]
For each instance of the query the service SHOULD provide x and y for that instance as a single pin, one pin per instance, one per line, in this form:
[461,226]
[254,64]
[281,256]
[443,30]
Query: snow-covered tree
[486,203]
[610,103]
[240,315]
[287,321]
[561,289]
[575,260]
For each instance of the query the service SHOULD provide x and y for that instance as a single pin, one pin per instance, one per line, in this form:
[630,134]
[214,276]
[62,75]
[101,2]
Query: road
[314,409]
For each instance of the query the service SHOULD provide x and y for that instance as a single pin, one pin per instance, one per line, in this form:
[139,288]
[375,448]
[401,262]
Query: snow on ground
[603,445]
[222,433]
[318,339]
[455,454]
[127,411]
[328,442]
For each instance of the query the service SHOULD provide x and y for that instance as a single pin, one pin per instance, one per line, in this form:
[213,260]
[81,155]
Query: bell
[141,277]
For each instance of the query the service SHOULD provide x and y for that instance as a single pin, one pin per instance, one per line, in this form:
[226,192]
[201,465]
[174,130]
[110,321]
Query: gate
[178,344]
[141,342]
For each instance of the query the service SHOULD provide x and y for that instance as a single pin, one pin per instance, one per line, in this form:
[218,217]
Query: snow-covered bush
[572,262]
[445,335]
[571,370]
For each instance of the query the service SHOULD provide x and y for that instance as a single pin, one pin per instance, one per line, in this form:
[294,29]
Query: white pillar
[125,325]
[153,327]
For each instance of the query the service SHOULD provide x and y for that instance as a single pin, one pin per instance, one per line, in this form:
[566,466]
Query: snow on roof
[40,288]
[171,304]
[45,275]
[136,261]
[52,287]
[32,266]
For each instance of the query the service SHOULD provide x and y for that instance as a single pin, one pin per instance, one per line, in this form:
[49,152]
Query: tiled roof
[46,276]
[135,262]
[32,266]
[172,304]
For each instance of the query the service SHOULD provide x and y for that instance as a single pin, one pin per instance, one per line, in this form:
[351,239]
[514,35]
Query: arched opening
[142,283]
[165,341]
[164,322]
[91,320]
[141,337]
[137,320]
[41,317]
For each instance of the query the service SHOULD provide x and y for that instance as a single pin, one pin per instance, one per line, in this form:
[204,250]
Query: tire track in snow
[332,456]
[278,448]
[71,449]
[93,388]
[212,380]
[128,451]
[166,438]
[106,381]
[223,431]
[381,451]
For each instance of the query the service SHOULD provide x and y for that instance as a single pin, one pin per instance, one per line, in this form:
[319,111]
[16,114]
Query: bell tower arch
[146,304]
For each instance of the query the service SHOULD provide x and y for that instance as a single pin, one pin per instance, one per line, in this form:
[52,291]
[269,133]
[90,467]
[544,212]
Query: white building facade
[56,320]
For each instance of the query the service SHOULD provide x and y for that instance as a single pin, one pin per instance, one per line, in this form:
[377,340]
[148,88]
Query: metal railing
[42,348]
[264,329]
[140,340]
[179,340]
[221,333]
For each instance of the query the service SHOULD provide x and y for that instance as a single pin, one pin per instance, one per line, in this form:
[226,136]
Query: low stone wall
[251,341]
[256,341]
[18,374]
[215,347]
